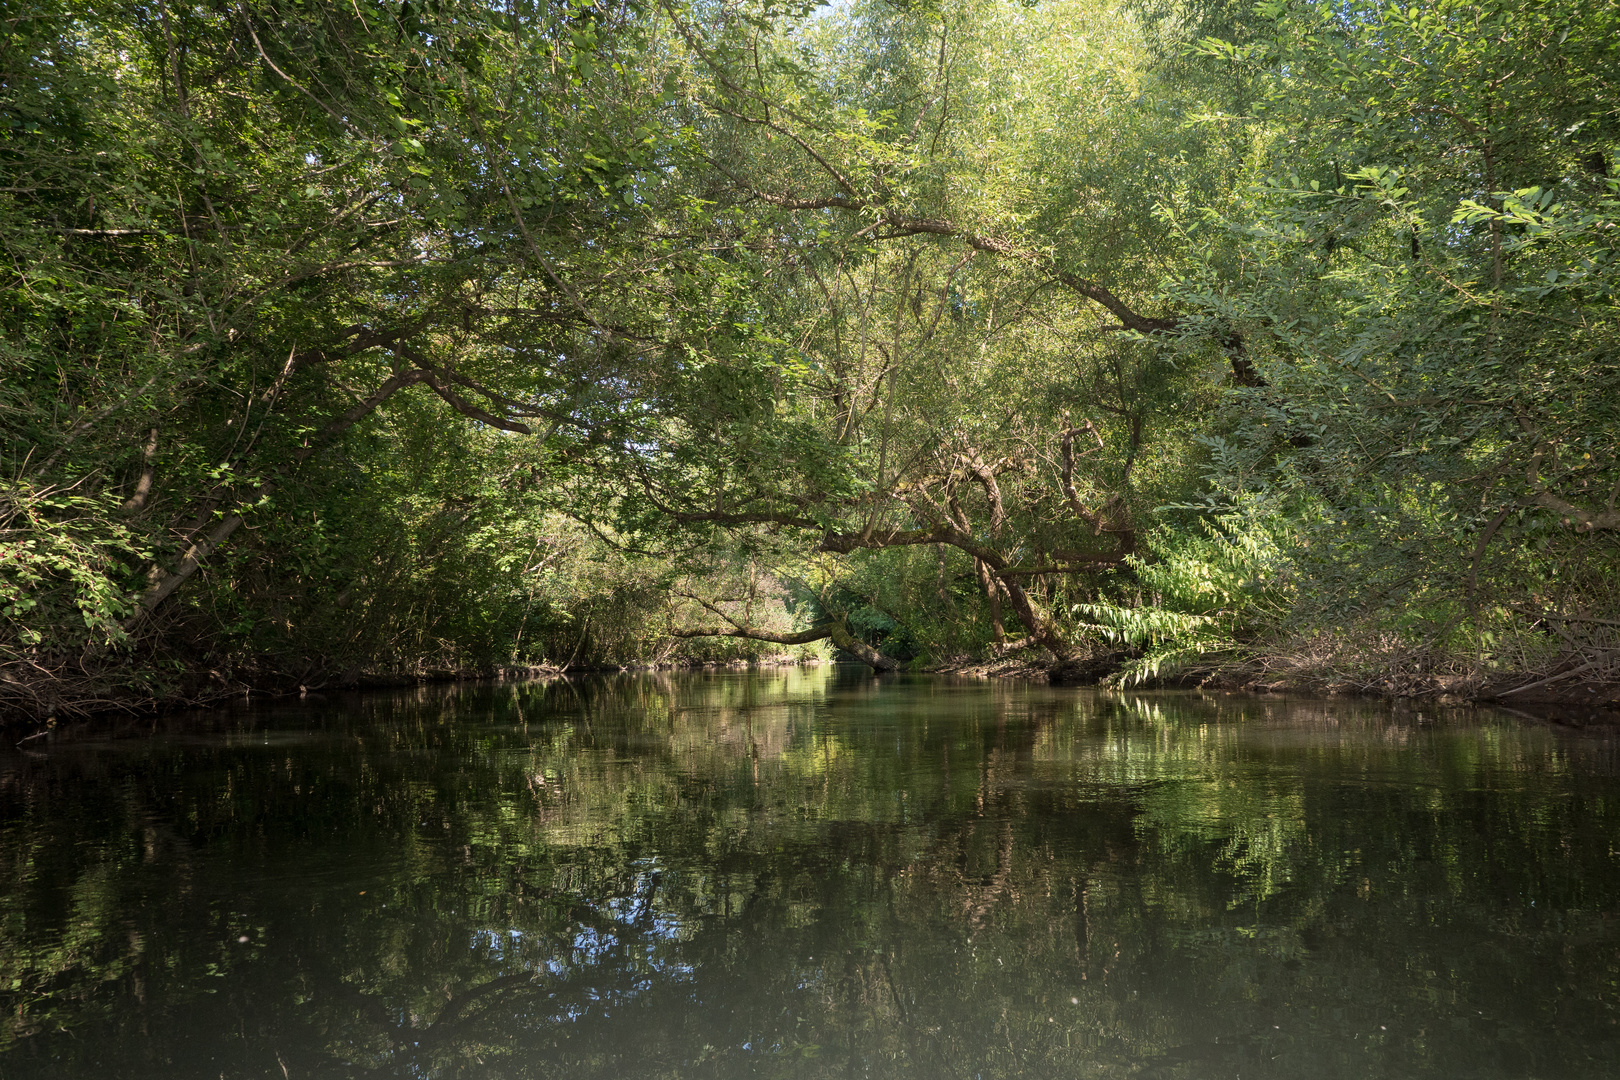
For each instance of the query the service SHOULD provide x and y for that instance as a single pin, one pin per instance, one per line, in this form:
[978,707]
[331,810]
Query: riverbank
[1556,698]
[1542,695]
[114,714]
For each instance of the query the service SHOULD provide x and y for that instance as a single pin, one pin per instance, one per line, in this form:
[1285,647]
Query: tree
[937,360]
[236,233]
[1423,265]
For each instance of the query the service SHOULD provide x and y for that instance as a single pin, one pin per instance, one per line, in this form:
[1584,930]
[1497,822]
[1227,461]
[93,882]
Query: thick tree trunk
[1042,630]
[853,645]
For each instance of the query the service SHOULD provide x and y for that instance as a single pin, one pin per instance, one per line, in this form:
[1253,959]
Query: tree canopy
[1137,338]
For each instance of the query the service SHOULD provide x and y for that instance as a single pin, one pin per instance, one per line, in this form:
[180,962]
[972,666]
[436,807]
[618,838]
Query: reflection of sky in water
[640,939]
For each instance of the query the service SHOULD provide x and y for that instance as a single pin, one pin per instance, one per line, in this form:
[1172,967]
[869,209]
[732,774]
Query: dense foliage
[351,338]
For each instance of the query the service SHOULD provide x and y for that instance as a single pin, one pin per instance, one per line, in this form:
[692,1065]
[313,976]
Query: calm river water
[813,873]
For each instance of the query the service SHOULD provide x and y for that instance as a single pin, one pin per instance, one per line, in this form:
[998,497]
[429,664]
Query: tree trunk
[853,645]
[992,593]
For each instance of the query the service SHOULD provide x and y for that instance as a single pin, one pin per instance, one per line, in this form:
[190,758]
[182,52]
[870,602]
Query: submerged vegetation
[1136,339]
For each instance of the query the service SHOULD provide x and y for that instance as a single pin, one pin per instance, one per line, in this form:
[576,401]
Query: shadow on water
[810,873]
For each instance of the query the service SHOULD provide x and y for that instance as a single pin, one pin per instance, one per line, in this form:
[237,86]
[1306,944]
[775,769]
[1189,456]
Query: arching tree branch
[837,631]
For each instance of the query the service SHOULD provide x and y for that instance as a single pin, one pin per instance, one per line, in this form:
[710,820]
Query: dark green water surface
[813,873]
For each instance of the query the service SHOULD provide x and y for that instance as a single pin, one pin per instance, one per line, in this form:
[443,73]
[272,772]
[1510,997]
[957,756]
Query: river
[813,873]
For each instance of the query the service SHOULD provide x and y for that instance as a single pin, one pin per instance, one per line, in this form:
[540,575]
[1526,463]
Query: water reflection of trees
[808,875]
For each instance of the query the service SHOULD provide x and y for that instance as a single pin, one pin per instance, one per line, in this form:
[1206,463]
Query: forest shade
[1214,340]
